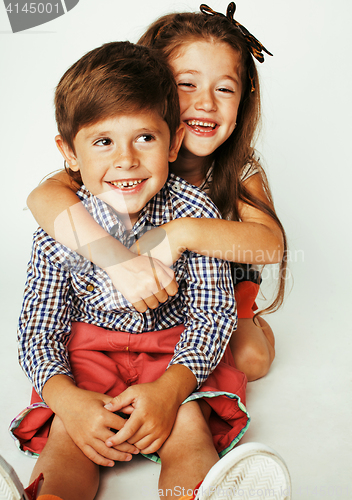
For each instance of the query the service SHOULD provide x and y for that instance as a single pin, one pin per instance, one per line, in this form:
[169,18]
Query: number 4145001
[33,8]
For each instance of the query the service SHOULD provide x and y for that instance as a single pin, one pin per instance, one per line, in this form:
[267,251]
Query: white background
[303,407]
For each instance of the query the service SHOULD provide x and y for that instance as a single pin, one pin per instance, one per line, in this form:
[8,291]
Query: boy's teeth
[201,124]
[126,183]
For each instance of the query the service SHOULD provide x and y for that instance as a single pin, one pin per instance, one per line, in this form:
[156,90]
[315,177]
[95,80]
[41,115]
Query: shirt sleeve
[44,324]
[210,315]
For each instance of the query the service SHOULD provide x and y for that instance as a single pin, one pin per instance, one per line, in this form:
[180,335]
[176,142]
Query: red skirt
[108,362]
[245,293]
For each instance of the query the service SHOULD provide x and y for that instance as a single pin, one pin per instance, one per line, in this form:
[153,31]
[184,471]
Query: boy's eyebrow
[96,133]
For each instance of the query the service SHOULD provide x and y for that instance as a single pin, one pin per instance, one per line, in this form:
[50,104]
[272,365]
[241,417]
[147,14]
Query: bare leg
[189,453]
[253,347]
[68,473]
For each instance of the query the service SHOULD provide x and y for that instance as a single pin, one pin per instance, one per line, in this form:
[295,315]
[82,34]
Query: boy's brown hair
[116,78]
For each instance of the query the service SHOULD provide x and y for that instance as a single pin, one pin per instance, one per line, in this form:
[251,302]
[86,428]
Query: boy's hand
[153,408]
[89,424]
[153,412]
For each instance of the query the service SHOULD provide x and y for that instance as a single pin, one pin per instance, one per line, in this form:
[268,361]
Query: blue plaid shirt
[63,287]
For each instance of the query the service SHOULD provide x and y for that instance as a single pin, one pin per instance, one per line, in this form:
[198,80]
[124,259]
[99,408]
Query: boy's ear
[67,153]
[176,143]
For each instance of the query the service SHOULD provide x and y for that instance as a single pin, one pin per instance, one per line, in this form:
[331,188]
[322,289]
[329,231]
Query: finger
[127,448]
[130,429]
[153,447]
[140,306]
[112,421]
[161,296]
[123,400]
[127,410]
[143,442]
[172,288]
[152,302]
[96,457]
[102,453]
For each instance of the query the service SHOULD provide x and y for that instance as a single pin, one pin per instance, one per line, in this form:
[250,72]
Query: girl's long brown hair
[168,35]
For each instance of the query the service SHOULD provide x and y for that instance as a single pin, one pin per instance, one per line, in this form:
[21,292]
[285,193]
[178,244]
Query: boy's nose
[126,159]
[205,101]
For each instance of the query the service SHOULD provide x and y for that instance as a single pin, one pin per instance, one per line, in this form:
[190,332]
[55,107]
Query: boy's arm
[44,323]
[61,214]
[44,331]
[210,316]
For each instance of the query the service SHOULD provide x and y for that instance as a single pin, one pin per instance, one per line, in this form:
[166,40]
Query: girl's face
[208,76]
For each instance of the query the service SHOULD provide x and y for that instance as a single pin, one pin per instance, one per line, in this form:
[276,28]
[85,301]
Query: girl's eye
[145,138]
[103,142]
[186,84]
[226,90]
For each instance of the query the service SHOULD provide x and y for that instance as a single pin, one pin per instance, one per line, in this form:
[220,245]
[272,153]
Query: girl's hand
[143,281]
[153,412]
[89,425]
[165,243]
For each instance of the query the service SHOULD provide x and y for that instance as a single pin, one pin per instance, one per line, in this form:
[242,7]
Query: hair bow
[254,46]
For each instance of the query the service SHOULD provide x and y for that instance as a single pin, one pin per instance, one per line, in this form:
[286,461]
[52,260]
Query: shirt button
[176,186]
[90,288]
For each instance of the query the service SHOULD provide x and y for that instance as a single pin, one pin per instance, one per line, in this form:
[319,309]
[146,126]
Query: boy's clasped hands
[90,418]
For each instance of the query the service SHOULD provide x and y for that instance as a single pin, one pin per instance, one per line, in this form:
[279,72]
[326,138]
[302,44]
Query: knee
[254,360]
[190,433]
[57,427]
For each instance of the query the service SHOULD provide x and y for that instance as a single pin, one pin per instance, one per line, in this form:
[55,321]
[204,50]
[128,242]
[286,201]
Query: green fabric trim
[154,457]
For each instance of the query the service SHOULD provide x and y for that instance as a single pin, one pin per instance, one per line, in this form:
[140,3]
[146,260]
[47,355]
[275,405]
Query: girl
[211,56]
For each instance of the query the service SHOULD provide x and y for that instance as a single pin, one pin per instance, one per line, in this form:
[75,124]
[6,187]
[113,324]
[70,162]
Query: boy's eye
[145,138]
[103,142]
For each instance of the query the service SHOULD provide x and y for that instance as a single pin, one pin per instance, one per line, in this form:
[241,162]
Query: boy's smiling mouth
[127,184]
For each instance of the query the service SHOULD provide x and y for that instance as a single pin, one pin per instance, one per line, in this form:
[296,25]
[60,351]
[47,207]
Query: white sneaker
[10,486]
[250,471]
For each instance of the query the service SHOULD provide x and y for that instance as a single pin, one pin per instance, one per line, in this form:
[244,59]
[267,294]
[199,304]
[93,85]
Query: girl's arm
[257,239]
[59,211]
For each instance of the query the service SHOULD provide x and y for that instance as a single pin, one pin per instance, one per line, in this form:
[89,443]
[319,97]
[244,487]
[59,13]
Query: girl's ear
[67,153]
[176,143]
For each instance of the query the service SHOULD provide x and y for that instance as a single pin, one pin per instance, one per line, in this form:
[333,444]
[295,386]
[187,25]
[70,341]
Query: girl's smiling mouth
[201,127]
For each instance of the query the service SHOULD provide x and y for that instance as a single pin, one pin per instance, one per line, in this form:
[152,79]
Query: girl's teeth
[201,124]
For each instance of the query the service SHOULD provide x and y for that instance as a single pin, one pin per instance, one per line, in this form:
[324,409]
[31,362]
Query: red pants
[108,362]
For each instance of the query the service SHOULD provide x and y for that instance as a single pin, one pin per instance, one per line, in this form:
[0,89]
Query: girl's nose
[205,101]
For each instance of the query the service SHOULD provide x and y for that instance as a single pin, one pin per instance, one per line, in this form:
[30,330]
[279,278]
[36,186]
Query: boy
[86,350]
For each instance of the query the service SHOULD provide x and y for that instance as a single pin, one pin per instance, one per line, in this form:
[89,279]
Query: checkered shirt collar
[158,211]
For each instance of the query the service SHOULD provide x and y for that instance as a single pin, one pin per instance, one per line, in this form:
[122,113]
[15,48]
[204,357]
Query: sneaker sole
[250,471]
[10,486]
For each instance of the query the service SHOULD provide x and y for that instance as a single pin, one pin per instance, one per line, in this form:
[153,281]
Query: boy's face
[124,160]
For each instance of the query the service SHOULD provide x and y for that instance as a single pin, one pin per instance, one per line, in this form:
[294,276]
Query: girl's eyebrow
[183,71]
[195,72]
